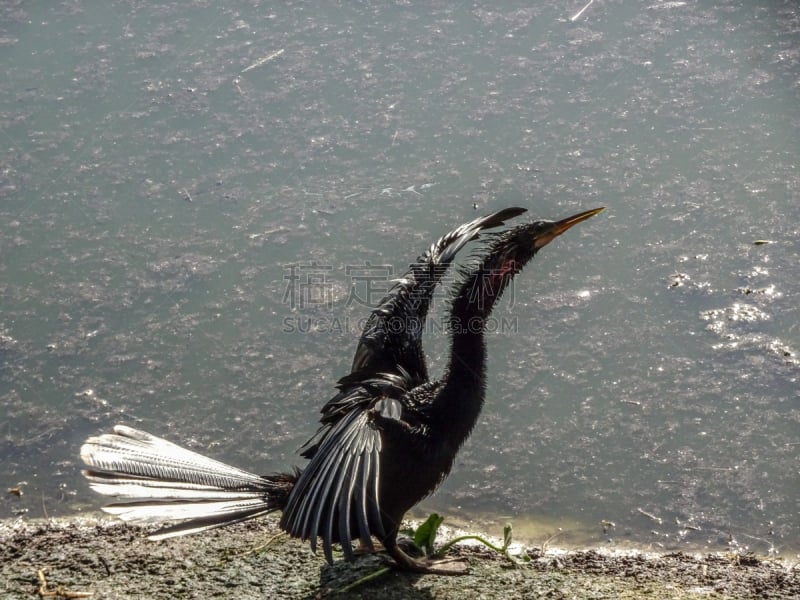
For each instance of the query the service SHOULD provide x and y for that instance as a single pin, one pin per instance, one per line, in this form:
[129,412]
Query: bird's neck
[461,398]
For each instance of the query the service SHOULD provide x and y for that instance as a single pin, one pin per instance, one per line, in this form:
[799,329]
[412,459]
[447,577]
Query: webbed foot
[441,566]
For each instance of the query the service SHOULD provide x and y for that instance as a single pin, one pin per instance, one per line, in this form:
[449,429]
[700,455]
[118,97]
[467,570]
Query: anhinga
[388,438]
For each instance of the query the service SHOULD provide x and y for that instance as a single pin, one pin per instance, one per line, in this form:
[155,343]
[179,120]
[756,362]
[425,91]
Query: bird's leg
[424,565]
[369,547]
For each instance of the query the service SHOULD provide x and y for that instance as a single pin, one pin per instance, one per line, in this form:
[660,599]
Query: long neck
[461,398]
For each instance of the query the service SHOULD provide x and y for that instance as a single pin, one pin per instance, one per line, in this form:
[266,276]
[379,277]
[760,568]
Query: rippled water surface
[198,203]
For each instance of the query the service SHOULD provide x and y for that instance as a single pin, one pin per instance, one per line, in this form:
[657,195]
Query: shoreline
[110,559]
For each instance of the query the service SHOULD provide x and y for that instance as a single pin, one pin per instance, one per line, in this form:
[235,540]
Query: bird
[386,440]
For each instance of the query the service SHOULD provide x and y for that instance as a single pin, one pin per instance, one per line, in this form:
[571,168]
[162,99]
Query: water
[155,193]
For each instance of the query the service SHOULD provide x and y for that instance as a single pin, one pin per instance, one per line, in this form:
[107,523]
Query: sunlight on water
[199,205]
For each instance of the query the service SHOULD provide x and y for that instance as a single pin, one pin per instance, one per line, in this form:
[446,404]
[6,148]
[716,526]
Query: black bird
[388,438]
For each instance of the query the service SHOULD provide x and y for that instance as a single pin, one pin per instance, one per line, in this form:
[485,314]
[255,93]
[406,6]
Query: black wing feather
[383,347]
[338,488]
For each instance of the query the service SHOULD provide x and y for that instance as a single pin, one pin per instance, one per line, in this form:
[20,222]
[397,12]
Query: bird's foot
[441,566]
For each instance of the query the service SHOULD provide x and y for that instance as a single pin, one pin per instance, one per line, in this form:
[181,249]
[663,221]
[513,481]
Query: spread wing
[336,497]
[391,343]
[339,489]
[392,338]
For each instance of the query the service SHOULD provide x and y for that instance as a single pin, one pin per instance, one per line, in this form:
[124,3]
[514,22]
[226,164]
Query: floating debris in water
[633,402]
[651,516]
[17,489]
[766,291]
[578,14]
[678,279]
[607,525]
[663,5]
[264,60]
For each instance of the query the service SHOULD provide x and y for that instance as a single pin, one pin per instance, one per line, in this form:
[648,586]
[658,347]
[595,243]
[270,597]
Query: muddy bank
[114,560]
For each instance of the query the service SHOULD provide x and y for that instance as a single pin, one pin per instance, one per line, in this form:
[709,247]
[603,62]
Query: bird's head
[507,253]
[513,248]
[544,232]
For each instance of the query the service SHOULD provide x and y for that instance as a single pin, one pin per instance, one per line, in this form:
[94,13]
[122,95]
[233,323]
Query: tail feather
[161,481]
[116,485]
[132,452]
[195,516]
